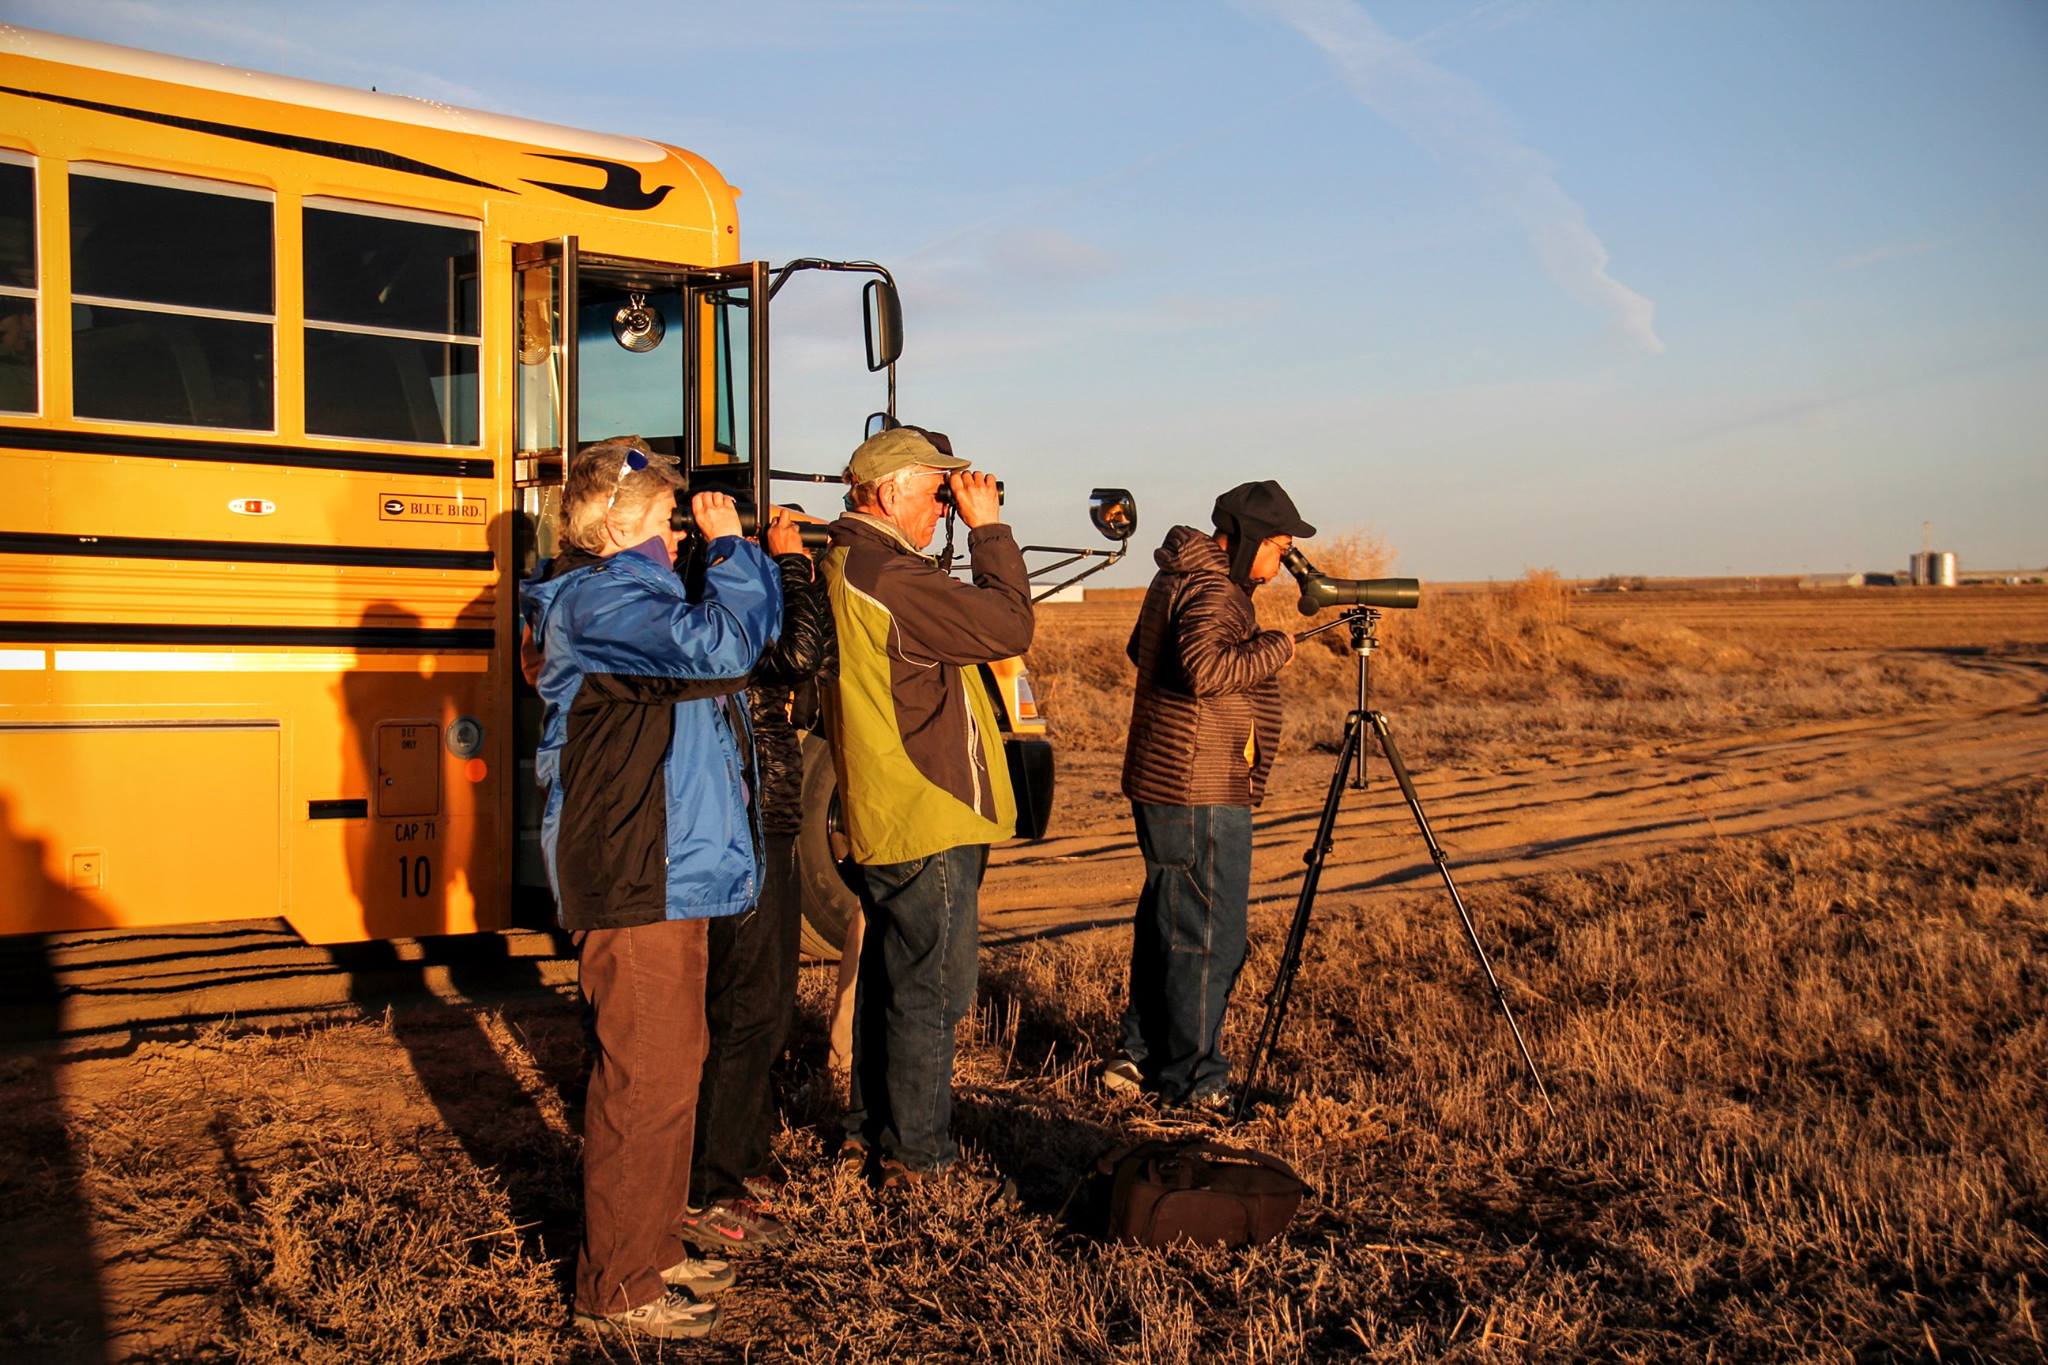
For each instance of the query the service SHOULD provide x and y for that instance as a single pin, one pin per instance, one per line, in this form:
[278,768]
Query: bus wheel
[829,903]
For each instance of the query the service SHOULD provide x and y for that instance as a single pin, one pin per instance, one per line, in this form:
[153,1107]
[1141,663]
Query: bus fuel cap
[465,736]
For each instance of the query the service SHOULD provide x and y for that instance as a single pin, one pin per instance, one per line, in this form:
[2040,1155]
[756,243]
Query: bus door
[674,354]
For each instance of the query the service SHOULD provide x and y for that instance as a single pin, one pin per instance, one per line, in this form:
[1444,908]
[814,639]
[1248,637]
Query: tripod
[1363,622]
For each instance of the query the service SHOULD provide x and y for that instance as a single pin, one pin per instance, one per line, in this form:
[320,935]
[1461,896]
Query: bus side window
[392,326]
[173,300]
[17,283]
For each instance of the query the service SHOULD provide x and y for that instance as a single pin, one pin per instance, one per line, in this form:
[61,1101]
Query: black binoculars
[812,535]
[945,492]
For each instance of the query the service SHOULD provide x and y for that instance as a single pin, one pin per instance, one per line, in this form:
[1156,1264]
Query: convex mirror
[1114,512]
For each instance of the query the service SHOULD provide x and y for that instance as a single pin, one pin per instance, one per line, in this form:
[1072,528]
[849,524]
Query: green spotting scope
[1320,591]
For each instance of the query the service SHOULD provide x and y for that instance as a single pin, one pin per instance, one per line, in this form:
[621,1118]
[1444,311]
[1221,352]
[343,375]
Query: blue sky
[1623,287]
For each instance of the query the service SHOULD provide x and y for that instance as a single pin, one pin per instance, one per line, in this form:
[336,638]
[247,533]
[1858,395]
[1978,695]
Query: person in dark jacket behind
[648,832]
[1205,725]
[750,992]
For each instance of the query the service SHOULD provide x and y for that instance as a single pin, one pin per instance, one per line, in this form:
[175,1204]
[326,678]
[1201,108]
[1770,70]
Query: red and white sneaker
[732,1227]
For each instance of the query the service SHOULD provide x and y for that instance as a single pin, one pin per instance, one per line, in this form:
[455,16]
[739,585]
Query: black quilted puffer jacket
[806,646]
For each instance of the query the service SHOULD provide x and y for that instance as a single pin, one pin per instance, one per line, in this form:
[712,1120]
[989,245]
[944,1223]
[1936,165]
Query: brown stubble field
[1766,884]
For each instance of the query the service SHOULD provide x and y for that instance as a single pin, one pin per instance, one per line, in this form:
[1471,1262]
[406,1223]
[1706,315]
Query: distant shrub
[1512,642]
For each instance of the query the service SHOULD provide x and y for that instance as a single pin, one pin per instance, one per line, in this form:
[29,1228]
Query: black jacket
[806,648]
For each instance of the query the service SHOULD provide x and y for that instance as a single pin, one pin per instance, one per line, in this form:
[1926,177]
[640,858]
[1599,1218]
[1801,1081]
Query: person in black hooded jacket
[750,996]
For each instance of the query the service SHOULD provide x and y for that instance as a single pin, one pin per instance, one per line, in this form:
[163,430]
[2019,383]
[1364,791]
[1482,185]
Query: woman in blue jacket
[649,830]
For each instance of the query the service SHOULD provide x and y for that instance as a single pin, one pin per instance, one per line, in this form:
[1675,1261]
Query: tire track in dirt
[1495,822]
[1545,815]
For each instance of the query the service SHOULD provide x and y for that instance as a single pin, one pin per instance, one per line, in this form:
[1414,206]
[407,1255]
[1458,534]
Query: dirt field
[1817,618]
[1784,959]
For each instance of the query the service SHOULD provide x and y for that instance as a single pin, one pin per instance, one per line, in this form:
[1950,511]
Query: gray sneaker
[701,1275]
[673,1316]
[1120,1076]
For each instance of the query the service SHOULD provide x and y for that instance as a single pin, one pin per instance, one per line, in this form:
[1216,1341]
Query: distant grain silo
[1933,569]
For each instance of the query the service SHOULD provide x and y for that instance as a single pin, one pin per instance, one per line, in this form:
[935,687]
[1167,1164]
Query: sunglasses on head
[635,461]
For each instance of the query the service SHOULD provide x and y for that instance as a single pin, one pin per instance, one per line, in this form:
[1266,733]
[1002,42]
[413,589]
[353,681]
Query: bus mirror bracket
[881,310]
[1115,513]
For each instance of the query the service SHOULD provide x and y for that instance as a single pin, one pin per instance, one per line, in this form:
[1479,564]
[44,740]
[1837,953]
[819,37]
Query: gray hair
[594,475]
[869,494]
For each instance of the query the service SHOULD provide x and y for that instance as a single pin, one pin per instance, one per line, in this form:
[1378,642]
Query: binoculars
[945,493]
[813,535]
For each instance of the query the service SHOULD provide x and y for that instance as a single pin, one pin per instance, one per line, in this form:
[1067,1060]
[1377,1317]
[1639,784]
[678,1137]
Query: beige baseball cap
[897,448]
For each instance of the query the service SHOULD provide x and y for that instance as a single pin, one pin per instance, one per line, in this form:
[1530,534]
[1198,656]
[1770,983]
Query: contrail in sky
[1453,120]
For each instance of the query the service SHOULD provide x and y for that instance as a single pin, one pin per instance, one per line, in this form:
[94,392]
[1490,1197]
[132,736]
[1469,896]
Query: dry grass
[1801,1080]
[1481,676]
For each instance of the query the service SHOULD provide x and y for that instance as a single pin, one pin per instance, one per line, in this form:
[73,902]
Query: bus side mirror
[1114,512]
[882,320]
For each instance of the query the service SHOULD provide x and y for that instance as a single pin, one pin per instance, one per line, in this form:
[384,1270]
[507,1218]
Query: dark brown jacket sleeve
[939,619]
[1216,660]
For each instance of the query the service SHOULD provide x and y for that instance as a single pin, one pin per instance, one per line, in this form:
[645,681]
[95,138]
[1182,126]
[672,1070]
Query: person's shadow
[431,989]
[52,1307]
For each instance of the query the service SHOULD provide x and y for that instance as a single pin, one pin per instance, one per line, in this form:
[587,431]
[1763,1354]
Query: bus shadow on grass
[52,1306]
[472,1083]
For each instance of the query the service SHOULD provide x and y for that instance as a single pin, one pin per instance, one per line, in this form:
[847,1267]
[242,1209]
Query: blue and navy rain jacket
[645,755]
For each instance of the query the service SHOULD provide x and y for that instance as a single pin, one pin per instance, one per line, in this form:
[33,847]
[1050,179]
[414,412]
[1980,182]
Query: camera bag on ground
[1169,1189]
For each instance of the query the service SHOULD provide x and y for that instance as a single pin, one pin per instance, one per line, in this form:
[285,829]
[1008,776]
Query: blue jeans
[918,961]
[1187,944]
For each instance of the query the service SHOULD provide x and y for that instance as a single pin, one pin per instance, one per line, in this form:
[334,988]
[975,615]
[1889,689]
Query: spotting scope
[1320,591]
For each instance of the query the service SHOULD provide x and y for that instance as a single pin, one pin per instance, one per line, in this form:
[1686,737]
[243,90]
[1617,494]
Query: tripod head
[1364,623]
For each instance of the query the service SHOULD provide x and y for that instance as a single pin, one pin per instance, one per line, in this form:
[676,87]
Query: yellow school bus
[286,372]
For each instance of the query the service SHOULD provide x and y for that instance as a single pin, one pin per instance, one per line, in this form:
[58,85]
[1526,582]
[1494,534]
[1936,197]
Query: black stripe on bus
[337,151]
[240,551]
[339,808]
[223,452]
[421,640]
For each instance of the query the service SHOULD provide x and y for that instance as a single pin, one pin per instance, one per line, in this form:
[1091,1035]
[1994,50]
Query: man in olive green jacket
[923,781]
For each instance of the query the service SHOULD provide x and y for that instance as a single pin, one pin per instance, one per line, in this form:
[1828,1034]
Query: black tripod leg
[1443,866]
[1282,991]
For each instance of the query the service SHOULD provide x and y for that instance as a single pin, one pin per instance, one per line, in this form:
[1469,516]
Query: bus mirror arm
[779,276]
[881,310]
[1115,514]
[1103,558]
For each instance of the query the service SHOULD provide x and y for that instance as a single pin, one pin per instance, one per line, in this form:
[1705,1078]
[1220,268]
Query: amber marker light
[476,770]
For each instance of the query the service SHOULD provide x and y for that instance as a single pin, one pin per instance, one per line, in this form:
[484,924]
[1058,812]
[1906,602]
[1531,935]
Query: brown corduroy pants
[645,985]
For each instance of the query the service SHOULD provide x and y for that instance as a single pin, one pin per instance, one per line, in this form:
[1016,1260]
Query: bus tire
[829,902]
